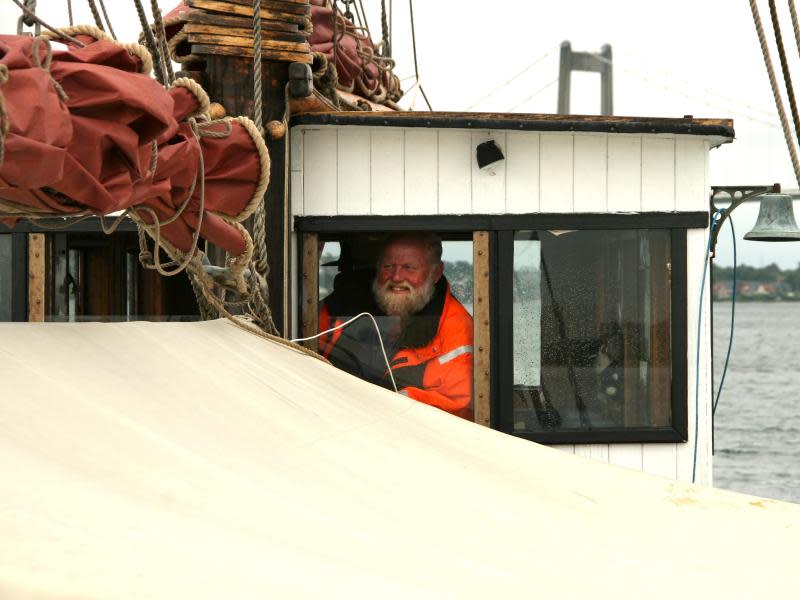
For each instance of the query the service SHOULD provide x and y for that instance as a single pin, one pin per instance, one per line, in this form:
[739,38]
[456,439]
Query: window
[580,322]
[591,336]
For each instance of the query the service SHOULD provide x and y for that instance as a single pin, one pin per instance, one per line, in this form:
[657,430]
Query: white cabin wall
[380,171]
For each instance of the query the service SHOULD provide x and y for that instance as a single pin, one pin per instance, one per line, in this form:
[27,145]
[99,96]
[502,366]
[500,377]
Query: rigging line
[161,39]
[414,38]
[775,91]
[425,97]
[787,77]
[532,96]
[689,96]
[257,67]
[150,43]
[518,75]
[345,324]
[96,15]
[364,17]
[733,318]
[707,91]
[108,21]
[59,33]
[795,26]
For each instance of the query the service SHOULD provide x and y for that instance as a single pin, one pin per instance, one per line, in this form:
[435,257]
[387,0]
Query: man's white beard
[403,305]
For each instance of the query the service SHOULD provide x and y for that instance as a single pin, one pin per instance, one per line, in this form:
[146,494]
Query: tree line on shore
[757,283]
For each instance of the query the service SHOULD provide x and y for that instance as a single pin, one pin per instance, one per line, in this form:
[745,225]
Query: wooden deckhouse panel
[553,165]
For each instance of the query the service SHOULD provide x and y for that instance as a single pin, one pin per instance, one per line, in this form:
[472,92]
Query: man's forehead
[407,247]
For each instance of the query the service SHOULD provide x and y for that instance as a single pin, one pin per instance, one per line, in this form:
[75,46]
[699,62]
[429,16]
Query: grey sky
[670,59]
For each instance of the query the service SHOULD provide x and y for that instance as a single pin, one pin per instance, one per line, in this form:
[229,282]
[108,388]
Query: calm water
[757,423]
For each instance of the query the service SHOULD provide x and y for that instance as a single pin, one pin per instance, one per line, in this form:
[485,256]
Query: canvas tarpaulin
[196,460]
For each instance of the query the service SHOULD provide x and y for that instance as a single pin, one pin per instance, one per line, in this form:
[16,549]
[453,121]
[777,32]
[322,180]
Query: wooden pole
[36,277]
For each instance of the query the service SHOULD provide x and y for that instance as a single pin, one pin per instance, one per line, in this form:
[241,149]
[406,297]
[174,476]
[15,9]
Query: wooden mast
[223,49]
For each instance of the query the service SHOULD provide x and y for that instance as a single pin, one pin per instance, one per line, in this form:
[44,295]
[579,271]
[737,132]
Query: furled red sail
[89,131]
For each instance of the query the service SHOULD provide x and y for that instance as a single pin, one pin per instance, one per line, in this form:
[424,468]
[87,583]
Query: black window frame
[501,230]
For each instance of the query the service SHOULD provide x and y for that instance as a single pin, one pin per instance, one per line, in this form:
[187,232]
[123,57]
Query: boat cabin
[575,242]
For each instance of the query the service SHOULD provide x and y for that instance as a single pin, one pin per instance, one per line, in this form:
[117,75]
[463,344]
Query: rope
[345,324]
[414,46]
[257,68]
[151,44]
[136,50]
[58,32]
[787,77]
[161,38]
[386,47]
[795,24]
[775,91]
[69,12]
[96,14]
[108,21]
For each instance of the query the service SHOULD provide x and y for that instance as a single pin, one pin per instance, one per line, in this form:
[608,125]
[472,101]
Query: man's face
[405,279]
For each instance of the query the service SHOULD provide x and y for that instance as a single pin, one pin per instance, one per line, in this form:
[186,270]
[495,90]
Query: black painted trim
[19,277]
[469,223]
[679,334]
[515,122]
[503,338]
[503,350]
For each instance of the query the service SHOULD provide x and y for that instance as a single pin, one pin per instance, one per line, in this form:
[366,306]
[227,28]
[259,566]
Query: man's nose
[397,274]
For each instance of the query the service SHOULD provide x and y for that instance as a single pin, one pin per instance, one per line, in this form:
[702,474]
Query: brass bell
[775,220]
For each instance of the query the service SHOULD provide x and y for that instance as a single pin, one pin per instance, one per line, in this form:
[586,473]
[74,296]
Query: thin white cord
[345,324]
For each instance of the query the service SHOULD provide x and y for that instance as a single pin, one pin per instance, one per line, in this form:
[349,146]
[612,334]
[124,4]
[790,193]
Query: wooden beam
[482,330]
[247,52]
[244,39]
[245,31]
[310,289]
[270,25]
[247,11]
[36,277]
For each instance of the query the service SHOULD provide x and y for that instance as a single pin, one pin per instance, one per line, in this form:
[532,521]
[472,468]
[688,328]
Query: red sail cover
[90,130]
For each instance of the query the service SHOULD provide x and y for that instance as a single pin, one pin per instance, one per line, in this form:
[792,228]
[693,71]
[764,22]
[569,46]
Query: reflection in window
[591,329]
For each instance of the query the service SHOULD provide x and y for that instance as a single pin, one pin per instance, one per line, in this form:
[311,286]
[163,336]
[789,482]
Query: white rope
[345,324]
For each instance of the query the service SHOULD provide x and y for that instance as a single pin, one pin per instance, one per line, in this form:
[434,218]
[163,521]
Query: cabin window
[580,321]
[591,345]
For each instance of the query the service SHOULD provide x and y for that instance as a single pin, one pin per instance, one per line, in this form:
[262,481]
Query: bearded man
[426,332]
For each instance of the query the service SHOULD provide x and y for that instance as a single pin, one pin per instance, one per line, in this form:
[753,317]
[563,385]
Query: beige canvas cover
[178,461]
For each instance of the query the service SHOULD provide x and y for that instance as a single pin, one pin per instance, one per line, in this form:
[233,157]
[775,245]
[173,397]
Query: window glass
[5,277]
[591,314]
[457,258]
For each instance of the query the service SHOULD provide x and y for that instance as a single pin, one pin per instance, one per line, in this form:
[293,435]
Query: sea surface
[757,422]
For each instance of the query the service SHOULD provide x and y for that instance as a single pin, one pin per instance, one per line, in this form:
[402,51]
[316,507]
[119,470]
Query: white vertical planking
[522,172]
[658,173]
[319,171]
[691,192]
[626,455]
[590,173]
[353,171]
[421,173]
[660,459]
[489,183]
[296,172]
[387,171]
[597,452]
[624,173]
[455,171]
[555,175]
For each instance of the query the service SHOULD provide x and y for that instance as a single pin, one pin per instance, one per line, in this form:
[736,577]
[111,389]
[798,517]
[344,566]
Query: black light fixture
[488,153]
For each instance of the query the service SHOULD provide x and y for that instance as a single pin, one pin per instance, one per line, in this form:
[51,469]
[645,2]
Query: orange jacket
[438,373]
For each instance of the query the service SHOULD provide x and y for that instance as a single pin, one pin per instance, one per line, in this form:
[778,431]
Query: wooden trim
[247,52]
[236,38]
[247,11]
[718,128]
[482,329]
[309,289]
[36,277]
